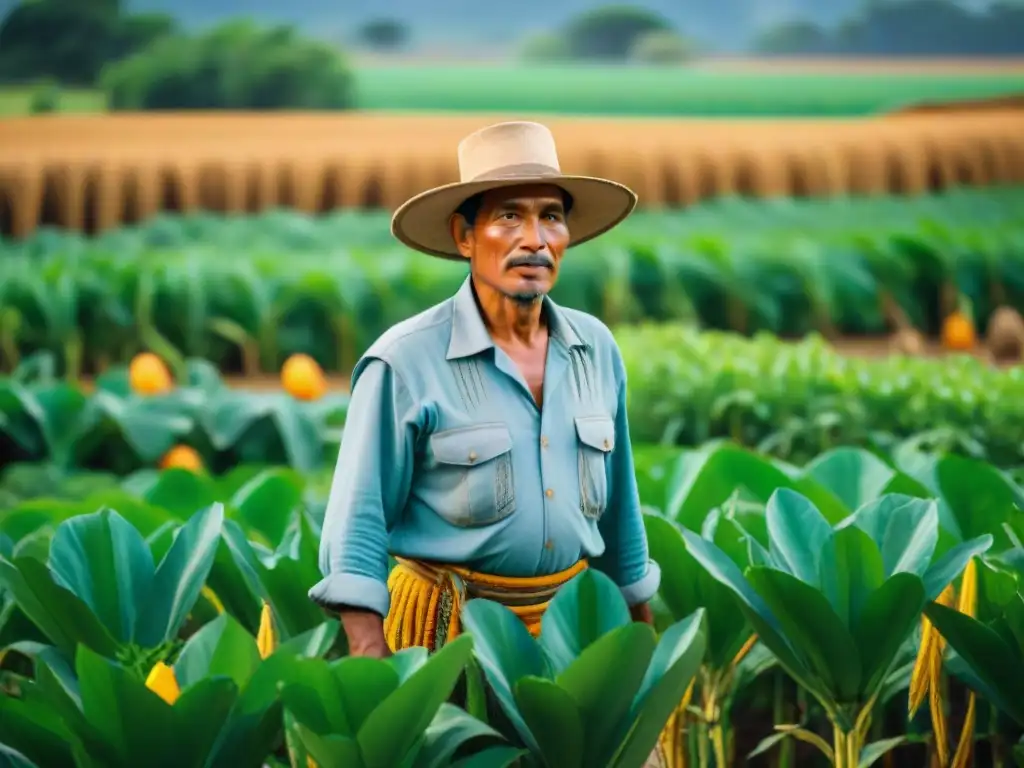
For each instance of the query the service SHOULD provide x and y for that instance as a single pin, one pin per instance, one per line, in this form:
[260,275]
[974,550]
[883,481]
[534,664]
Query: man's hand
[365,632]
[642,613]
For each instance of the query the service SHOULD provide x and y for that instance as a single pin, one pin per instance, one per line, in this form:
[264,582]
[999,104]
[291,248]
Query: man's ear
[462,234]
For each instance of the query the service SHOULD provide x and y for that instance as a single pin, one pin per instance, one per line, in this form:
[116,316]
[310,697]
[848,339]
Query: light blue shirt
[446,457]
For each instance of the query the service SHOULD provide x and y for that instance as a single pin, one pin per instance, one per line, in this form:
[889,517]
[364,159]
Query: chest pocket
[596,439]
[471,474]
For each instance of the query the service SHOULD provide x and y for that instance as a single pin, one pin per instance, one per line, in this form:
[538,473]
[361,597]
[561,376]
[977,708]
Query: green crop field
[790,621]
[247,292]
[664,91]
[840,538]
[631,91]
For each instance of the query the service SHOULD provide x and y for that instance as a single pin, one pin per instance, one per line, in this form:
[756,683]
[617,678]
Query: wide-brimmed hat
[505,155]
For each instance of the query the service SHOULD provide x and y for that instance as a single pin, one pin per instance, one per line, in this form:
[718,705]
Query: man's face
[517,241]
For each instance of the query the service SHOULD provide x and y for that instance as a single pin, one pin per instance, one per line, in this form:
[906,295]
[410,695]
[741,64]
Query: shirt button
[544,442]
[549,493]
[549,544]
[472,456]
[606,444]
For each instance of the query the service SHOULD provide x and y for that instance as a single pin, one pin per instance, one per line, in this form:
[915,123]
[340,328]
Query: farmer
[486,446]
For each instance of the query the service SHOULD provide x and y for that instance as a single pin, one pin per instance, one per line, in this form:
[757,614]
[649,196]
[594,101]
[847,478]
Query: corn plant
[834,604]
[595,688]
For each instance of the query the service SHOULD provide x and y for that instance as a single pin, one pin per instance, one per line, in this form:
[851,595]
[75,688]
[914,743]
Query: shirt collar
[470,335]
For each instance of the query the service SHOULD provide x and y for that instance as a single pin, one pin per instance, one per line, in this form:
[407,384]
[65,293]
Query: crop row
[96,173]
[792,606]
[245,293]
[791,400]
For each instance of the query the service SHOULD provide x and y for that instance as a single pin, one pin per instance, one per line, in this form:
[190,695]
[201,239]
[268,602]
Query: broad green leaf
[905,529]
[989,656]
[825,643]
[705,478]
[450,729]
[62,616]
[331,751]
[264,502]
[584,609]
[180,576]
[506,652]
[35,730]
[603,680]
[391,730]
[493,757]
[687,587]
[104,560]
[952,564]
[858,573]
[220,648]
[980,497]
[854,475]
[555,720]
[364,684]
[798,536]
[674,664]
[887,619]
[312,694]
[181,491]
[125,713]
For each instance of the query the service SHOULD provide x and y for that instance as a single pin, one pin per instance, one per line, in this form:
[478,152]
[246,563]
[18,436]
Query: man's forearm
[364,630]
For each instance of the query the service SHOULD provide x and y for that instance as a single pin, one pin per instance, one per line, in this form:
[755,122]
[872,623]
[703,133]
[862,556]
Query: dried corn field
[95,173]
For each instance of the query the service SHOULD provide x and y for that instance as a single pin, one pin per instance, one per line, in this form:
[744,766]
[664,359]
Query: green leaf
[506,652]
[586,608]
[889,616]
[674,664]
[331,751]
[603,681]
[450,729]
[35,730]
[854,475]
[104,560]
[705,478]
[876,750]
[825,643]
[63,618]
[554,719]
[905,529]
[181,491]
[391,730]
[952,564]
[687,587]
[264,502]
[137,722]
[180,576]
[858,573]
[797,535]
[364,684]
[220,648]
[493,757]
[989,656]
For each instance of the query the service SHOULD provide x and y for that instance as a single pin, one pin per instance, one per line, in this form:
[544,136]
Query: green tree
[384,34]
[609,32]
[238,65]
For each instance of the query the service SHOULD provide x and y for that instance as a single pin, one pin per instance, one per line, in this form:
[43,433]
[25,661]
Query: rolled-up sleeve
[369,490]
[625,559]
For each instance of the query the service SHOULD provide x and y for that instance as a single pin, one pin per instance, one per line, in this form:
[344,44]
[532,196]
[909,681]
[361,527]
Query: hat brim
[422,222]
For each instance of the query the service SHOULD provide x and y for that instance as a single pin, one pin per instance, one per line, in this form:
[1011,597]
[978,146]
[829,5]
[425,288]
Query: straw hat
[504,155]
